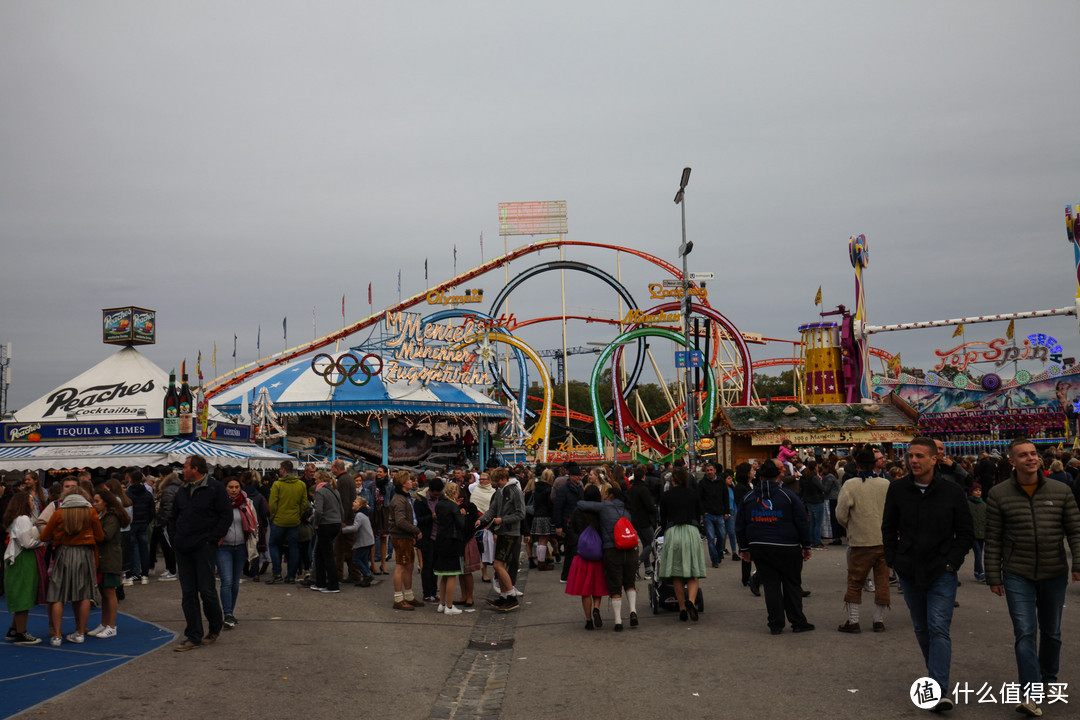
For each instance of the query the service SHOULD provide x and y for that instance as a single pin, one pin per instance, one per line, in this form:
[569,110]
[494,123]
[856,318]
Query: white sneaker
[144,580]
[440,609]
[453,610]
[77,638]
[517,593]
[166,576]
[108,632]
[96,631]
[128,582]
[55,641]
[495,586]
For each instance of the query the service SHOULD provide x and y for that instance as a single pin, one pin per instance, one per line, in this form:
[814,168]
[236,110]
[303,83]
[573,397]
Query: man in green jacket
[1028,517]
[288,498]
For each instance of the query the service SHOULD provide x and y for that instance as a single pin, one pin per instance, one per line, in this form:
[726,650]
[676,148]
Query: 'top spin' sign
[1039,347]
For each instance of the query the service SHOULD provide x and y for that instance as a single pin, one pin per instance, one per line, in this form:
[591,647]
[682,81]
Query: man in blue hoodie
[773,531]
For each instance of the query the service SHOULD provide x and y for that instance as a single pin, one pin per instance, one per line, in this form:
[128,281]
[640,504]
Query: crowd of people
[909,522]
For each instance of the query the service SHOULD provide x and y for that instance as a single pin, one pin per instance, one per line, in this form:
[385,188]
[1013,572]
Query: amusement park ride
[461,342]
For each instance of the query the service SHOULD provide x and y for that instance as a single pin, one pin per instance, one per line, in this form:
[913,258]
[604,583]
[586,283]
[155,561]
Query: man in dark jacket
[1028,519]
[201,516]
[926,531]
[346,487]
[713,491]
[773,531]
[142,513]
[642,507]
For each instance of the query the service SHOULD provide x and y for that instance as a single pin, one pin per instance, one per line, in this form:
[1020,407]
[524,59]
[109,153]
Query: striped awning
[160,452]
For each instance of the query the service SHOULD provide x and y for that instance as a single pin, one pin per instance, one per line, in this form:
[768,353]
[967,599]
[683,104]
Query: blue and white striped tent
[159,452]
[296,389]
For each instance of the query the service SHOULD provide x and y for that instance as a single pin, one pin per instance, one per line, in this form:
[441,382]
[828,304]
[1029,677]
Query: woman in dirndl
[75,532]
[20,566]
[586,579]
[682,560]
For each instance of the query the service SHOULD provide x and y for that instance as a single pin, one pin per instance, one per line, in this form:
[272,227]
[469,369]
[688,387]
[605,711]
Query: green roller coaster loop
[604,432]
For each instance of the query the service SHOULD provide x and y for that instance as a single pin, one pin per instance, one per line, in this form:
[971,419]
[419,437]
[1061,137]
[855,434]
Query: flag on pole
[959,330]
[481,247]
[314,327]
[425,271]
[234,346]
[285,327]
[817,298]
[399,281]
[342,307]
[369,293]
[455,258]
[258,340]
[1009,332]
[198,367]
[213,358]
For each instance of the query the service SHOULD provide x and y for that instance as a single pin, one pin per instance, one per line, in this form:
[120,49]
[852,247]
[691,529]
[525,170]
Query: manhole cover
[490,646]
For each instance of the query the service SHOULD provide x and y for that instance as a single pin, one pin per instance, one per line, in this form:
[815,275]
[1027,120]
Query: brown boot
[415,603]
[403,606]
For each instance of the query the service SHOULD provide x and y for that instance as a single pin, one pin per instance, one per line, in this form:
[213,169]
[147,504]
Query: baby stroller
[661,592]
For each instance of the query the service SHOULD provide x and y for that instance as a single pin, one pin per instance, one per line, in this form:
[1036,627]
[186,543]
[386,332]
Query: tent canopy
[296,389]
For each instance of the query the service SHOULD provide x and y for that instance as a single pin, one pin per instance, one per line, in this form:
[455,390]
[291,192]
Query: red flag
[369,293]
[342,307]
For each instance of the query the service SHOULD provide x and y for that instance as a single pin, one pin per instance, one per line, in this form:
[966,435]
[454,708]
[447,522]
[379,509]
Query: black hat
[768,470]
[572,468]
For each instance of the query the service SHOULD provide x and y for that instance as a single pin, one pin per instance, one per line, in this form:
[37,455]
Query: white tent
[103,411]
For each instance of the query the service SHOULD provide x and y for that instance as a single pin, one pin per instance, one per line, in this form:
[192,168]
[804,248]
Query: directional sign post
[702,276]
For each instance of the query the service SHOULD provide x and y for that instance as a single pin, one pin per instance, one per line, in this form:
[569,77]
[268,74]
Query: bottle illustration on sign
[186,418]
[171,414]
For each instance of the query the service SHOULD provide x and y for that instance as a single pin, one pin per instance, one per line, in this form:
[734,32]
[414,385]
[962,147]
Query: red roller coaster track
[224,382]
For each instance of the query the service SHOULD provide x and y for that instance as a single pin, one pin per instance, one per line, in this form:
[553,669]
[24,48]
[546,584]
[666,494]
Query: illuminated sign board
[544,217]
[128,326]
[657,291]
[437,297]
[1037,347]
[411,340]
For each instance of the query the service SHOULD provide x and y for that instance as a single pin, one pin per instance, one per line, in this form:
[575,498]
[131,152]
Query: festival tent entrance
[111,416]
[297,389]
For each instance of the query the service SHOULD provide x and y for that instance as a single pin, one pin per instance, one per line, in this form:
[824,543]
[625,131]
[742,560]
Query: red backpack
[625,535]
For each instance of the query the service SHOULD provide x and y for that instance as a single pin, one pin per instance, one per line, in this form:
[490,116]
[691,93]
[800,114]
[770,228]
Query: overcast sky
[231,164]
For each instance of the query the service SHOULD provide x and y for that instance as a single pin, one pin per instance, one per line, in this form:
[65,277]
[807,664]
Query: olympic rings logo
[345,367]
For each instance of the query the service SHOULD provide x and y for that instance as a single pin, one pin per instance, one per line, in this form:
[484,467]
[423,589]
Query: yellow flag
[1009,332]
[213,358]
[959,330]
[894,365]
[817,298]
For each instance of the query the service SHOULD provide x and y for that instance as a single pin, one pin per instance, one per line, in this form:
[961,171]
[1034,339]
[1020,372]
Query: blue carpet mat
[34,673]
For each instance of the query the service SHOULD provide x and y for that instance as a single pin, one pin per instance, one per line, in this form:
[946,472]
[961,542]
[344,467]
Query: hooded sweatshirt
[288,497]
[771,515]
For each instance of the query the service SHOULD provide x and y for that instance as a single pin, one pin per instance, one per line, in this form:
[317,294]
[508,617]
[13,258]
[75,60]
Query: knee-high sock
[616,605]
[631,598]
[852,612]
[879,612]
[541,553]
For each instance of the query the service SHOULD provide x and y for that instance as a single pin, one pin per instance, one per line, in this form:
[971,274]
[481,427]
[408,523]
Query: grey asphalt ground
[298,653]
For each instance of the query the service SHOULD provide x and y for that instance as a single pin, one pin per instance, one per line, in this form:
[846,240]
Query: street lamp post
[684,250]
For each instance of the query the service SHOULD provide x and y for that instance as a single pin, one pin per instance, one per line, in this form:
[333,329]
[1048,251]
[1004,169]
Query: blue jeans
[288,535]
[230,563]
[361,559]
[817,519]
[1036,605]
[729,529]
[977,552]
[931,611]
[714,530]
[140,550]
